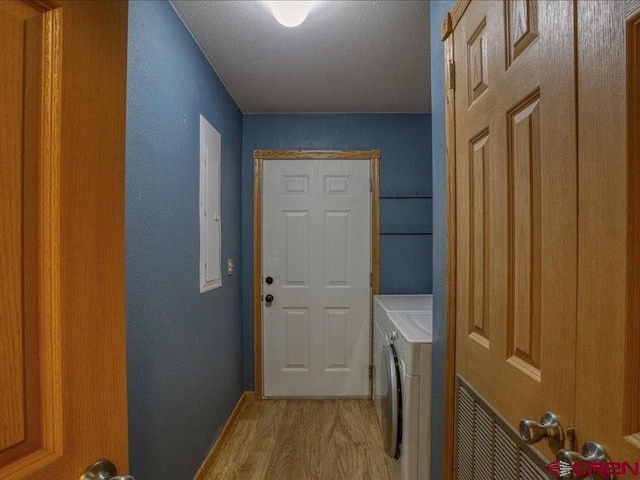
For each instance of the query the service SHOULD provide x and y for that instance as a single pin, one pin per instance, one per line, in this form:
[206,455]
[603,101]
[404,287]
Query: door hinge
[371,184]
[370,372]
[370,279]
[452,75]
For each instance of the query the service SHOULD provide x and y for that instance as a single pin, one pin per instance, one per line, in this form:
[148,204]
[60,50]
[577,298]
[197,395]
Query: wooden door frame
[259,156]
[449,23]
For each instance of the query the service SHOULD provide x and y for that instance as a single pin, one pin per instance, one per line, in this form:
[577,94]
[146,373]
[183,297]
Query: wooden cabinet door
[516,206]
[62,338]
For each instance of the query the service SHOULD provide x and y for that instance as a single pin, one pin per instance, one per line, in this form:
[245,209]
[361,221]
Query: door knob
[593,462]
[549,428]
[103,470]
[268,298]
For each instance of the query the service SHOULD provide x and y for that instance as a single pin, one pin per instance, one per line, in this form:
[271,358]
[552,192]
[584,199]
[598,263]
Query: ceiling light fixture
[291,13]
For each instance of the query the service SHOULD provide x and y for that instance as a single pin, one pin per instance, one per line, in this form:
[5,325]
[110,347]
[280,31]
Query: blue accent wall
[405,191]
[439,9]
[184,348]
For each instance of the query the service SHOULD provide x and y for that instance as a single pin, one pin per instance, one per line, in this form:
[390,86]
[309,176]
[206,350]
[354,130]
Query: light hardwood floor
[303,439]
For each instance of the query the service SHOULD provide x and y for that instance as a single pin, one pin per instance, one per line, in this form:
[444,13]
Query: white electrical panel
[210,218]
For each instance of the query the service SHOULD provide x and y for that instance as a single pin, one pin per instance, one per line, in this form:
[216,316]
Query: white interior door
[316,249]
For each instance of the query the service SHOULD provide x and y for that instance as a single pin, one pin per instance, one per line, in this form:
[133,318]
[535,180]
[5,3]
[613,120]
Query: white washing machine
[402,382]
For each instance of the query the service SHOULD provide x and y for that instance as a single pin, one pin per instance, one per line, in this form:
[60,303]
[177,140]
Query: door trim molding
[259,157]
[452,18]
[450,387]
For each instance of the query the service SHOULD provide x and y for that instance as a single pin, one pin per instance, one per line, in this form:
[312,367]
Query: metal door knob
[103,470]
[549,428]
[268,298]
[574,465]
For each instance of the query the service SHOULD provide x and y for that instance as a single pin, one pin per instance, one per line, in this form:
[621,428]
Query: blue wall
[437,13]
[405,191]
[184,348]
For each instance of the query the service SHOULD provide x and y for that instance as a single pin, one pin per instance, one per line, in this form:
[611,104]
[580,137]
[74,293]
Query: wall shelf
[404,197]
[405,233]
[405,230]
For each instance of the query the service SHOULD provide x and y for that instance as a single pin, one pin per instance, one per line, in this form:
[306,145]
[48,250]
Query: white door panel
[317,248]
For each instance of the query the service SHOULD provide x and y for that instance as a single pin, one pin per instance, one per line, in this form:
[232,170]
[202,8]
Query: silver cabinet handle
[575,465]
[549,428]
[103,470]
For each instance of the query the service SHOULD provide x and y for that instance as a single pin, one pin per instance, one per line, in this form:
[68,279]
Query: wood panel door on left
[62,324]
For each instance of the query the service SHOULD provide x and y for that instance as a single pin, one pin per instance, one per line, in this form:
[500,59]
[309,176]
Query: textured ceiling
[348,56]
